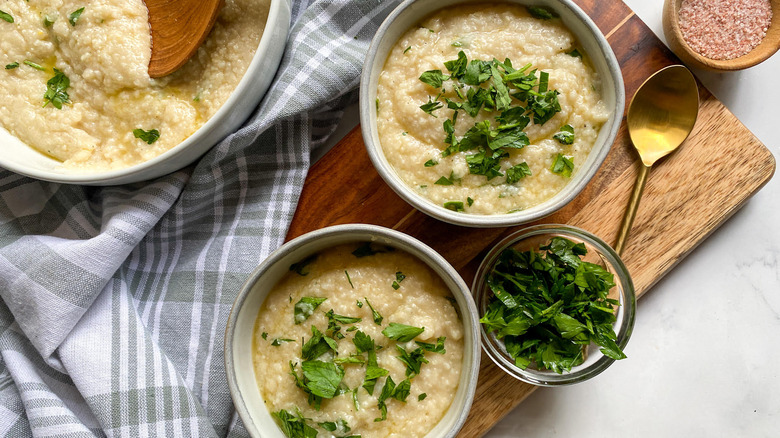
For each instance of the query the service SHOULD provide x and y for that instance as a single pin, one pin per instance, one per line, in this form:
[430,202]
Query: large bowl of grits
[489,113]
[78,105]
[353,330]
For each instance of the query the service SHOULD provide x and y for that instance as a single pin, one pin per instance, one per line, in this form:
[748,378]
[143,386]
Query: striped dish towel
[114,299]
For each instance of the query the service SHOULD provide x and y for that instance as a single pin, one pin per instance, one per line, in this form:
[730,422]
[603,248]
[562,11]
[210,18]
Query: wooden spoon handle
[633,205]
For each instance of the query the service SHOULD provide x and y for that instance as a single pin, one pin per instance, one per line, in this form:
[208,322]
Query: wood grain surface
[688,195]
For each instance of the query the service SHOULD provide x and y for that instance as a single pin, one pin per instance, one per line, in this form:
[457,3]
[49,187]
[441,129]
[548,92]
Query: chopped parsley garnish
[305,307]
[565,135]
[340,426]
[575,53]
[264,335]
[6,17]
[399,277]
[322,378]
[407,49]
[399,392]
[469,201]
[74,16]
[11,65]
[366,249]
[515,97]
[364,344]
[294,426]
[34,65]
[454,206]
[562,166]
[377,317]
[48,21]
[56,87]
[278,341]
[359,303]
[334,319]
[317,345]
[429,163]
[413,360]
[422,396]
[550,305]
[402,332]
[518,172]
[149,137]
[541,13]
[438,347]
[350,281]
[300,267]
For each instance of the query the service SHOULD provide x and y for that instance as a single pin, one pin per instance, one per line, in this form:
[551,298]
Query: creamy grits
[103,50]
[400,288]
[410,138]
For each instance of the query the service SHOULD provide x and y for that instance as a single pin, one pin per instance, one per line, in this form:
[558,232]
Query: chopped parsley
[550,305]
[74,16]
[574,53]
[399,277]
[278,341]
[565,135]
[56,87]
[438,347]
[456,206]
[264,335]
[149,137]
[6,17]
[11,65]
[469,201]
[402,332]
[422,396]
[541,13]
[366,249]
[294,426]
[305,307]
[34,65]
[413,360]
[377,317]
[518,172]
[562,166]
[407,49]
[429,163]
[48,21]
[350,282]
[300,267]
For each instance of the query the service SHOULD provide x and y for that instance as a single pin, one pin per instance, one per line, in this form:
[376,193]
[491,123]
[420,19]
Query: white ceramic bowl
[241,322]
[20,158]
[411,12]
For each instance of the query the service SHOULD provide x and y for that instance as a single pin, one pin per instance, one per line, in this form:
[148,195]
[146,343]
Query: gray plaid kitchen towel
[114,299]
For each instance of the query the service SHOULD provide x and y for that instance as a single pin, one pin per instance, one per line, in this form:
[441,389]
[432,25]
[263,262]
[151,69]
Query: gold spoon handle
[633,205]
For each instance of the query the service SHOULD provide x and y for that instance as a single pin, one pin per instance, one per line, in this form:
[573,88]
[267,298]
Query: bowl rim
[573,188]
[278,10]
[627,307]
[419,249]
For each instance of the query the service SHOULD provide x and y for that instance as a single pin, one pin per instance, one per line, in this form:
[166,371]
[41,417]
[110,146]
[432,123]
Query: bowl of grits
[353,330]
[489,114]
[78,105]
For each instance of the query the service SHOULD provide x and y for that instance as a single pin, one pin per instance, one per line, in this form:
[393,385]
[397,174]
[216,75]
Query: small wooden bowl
[768,46]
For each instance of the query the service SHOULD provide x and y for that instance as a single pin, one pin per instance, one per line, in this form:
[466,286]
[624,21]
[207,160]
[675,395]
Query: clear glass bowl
[598,252]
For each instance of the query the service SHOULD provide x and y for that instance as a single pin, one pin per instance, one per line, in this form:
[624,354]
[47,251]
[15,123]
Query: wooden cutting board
[688,195]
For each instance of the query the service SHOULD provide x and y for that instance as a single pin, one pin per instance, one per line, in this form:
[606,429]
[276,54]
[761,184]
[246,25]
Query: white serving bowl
[241,322]
[20,158]
[600,54]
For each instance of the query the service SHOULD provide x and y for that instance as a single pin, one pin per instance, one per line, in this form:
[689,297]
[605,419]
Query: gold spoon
[660,117]
[178,28]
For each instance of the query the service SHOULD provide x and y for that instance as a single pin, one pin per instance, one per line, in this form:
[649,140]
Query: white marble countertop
[703,358]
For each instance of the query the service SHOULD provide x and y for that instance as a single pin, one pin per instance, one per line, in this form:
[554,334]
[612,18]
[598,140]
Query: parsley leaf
[74,16]
[565,135]
[317,345]
[11,65]
[300,266]
[37,66]
[518,172]
[6,17]
[455,206]
[399,277]
[431,106]
[541,12]
[305,307]
[349,280]
[422,396]
[278,341]
[323,378]
[402,332]
[377,317]
[413,360]
[457,67]
[562,165]
[294,426]
[149,137]
[574,53]
[56,87]
[366,249]
[435,348]
[431,163]
[434,78]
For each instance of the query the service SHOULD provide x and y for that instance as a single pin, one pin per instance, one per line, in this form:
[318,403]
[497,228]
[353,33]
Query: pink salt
[724,29]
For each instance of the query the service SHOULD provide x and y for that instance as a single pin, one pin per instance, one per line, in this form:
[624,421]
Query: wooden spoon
[660,117]
[178,28]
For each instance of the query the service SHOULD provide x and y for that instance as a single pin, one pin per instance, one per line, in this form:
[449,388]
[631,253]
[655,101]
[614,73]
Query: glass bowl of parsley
[556,305]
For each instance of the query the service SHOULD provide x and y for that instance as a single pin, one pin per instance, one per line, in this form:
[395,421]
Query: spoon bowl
[178,28]
[660,117]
